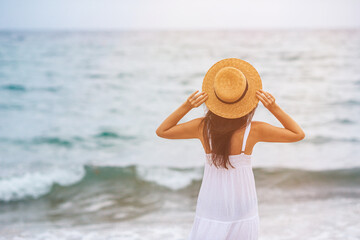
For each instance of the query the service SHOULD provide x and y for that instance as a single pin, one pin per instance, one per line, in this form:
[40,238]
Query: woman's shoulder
[256,125]
[257,128]
[199,123]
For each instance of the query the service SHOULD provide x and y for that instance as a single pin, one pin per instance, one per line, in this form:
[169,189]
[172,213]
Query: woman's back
[237,139]
[227,202]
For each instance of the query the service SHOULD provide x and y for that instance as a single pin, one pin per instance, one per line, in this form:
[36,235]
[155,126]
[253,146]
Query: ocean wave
[350,102]
[14,87]
[301,178]
[102,139]
[52,141]
[22,88]
[97,76]
[110,134]
[320,139]
[345,121]
[124,75]
[69,142]
[11,107]
[36,184]
[43,140]
[131,178]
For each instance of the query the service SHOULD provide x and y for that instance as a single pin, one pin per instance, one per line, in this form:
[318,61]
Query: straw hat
[231,85]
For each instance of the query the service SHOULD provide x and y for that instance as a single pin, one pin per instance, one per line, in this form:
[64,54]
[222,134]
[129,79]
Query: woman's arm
[169,128]
[291,132]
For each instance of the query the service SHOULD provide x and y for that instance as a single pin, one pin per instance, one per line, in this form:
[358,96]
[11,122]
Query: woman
[227,206]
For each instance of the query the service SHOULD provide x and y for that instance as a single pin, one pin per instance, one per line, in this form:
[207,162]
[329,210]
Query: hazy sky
[178,14]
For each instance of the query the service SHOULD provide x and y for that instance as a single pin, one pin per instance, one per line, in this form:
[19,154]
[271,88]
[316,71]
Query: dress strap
[246,134]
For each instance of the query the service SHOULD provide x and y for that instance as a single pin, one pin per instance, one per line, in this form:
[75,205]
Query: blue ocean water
[79,157]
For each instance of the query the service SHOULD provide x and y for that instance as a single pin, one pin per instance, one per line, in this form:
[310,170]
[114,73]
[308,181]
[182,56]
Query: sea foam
[36,184]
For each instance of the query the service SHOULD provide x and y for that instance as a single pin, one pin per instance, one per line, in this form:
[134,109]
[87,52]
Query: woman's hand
[196,100]
[266,98]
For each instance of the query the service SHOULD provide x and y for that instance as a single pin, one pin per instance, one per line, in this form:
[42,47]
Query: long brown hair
[217,133]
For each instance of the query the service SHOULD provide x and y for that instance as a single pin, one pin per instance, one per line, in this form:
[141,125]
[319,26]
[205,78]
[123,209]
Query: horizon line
[173,29]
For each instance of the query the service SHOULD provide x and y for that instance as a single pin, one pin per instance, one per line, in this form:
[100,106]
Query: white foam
[171,178]
[36,184]
[110,232]
[97,206]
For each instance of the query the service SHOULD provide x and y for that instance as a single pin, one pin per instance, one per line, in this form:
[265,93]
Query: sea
[80,159]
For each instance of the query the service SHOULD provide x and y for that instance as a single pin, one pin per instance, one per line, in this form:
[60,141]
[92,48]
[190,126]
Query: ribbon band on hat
[241,97]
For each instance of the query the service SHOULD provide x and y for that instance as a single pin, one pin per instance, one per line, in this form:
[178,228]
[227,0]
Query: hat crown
[229,84]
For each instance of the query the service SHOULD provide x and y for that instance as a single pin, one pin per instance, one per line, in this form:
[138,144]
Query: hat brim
[246,104]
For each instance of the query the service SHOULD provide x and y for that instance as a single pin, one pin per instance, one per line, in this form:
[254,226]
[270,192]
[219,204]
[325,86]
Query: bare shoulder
[258,130]
[199,125]
[255,130]
[196,123]
[258,126]
[199,122]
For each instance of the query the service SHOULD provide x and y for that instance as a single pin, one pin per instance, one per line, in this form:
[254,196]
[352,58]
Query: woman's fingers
[272,97]
[198,95]
[266,98]
[196,100]
[201,99]
[192,97]
[262,99]
[268,95]
[193,94]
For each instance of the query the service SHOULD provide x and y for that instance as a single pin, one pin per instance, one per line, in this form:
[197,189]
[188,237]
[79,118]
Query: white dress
[227,206]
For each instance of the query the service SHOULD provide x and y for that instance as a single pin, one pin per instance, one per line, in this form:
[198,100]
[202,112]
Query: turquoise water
[79,156]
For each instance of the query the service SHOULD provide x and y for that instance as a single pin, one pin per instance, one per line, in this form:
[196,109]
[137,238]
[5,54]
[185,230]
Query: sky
[177,14]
